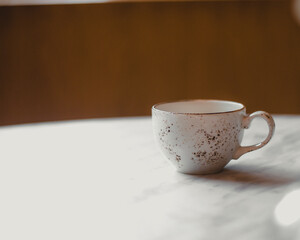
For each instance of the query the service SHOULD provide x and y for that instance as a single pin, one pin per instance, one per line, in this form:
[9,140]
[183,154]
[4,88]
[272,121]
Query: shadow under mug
[202,136]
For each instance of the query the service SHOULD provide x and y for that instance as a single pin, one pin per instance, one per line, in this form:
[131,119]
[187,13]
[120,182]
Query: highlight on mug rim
[199,107]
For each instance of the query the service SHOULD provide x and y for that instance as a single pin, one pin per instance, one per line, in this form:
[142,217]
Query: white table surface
[106,179]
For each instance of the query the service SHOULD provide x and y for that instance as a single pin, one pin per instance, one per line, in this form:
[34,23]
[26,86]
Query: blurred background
[60,62]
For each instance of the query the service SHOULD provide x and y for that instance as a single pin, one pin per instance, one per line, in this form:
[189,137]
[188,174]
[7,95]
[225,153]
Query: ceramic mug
[202,136]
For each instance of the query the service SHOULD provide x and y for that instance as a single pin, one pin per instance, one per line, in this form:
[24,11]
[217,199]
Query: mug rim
[154,107]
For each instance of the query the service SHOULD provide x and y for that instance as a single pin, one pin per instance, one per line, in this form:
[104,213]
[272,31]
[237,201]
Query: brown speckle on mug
[178,158]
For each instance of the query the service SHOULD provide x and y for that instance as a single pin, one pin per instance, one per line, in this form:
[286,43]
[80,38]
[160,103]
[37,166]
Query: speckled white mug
[202,136]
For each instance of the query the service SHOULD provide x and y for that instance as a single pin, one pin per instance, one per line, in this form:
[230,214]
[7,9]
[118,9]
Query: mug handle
[246,124]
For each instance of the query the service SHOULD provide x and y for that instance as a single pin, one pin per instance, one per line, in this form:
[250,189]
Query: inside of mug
[200,106]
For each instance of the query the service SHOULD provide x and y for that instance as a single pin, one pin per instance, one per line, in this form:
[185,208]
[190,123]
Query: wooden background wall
[106,60]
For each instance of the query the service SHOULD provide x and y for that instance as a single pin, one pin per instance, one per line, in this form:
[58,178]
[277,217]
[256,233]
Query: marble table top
[106,179]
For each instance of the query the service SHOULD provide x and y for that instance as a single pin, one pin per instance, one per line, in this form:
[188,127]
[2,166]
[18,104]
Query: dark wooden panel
[83,61]
[56,2]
